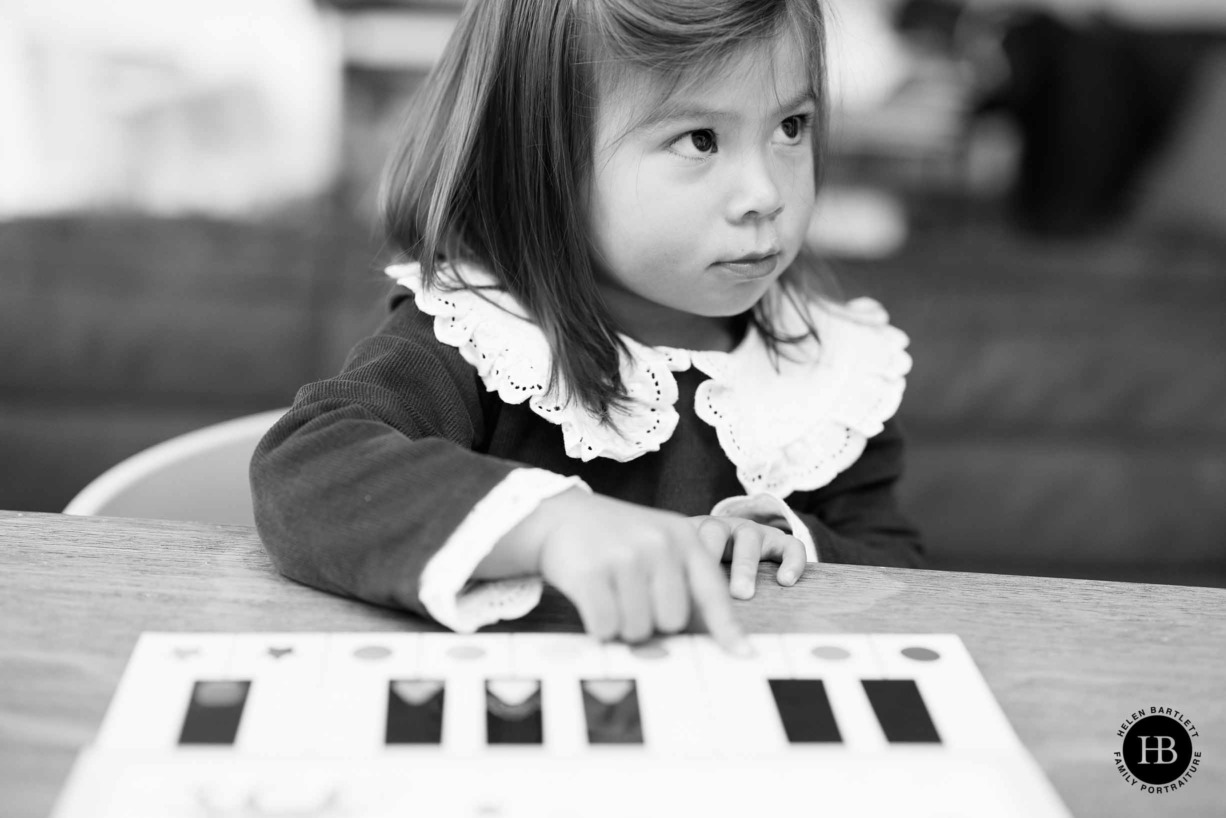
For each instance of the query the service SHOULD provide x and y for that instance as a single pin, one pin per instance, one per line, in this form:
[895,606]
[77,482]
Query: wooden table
[1068,660]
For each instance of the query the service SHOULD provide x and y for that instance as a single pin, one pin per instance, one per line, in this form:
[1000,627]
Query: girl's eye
[795,127]
[703,141]
[696,144]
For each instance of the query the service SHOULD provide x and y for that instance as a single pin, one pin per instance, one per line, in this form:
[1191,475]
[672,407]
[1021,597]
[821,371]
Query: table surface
[1068,660]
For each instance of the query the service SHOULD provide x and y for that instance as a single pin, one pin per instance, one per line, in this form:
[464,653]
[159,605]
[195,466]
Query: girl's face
[699,206]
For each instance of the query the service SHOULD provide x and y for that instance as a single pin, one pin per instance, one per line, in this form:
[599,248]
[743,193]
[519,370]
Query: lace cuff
[443,581]
[763,507]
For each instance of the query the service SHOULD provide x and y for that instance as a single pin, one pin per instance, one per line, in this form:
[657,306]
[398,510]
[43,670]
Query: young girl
[609,364]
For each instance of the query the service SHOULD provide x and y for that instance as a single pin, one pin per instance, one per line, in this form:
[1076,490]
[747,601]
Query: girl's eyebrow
[668,112]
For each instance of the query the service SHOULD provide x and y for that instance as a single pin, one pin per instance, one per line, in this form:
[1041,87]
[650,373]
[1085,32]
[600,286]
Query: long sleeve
[366,477]
[855,518]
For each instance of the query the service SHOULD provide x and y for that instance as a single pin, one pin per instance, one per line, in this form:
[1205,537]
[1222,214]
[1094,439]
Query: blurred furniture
[200,476]
[1086,145]
[1065,407]
[122,331]
[1066,659]
[1064,414]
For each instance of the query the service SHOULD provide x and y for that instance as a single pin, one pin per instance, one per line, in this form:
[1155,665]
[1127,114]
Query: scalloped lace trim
[789,430]
[512,356]
[797,428]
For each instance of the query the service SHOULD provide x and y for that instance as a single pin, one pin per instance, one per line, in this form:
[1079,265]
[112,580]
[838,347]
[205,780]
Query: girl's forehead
[770,73]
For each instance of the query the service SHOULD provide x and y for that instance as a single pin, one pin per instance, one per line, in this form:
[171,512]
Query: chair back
[200,476]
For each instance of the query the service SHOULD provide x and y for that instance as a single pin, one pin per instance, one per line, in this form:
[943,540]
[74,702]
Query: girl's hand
[745,543]
[630,570]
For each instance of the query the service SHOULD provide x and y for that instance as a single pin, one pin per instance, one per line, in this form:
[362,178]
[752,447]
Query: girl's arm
[359,486]
[369,488]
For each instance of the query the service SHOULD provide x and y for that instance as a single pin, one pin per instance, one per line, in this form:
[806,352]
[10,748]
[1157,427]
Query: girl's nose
[756,193]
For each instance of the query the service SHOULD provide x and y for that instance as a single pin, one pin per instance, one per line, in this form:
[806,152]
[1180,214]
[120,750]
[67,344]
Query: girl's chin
[739,298]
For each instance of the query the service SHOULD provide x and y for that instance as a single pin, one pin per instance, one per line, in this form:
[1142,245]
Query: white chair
[200,476]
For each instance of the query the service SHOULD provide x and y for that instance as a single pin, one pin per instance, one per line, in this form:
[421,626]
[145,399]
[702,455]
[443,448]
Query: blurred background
[1036,190]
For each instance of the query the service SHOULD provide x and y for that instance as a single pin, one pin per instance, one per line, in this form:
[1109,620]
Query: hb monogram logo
[1166,745]
[1157,754]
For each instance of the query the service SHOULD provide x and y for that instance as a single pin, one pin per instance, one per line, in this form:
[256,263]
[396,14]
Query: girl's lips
[751,270]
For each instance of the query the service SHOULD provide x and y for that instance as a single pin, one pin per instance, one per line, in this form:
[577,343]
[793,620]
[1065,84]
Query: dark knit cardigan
[370,472]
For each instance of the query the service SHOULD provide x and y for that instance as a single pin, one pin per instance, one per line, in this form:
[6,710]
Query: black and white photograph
[593,408]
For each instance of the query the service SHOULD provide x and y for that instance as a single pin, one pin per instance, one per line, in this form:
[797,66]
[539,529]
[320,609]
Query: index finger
[712,602]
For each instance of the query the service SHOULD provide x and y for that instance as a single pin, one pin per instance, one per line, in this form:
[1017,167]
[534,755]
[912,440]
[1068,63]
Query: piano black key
[214,712]
[901,711]
[611,709]
[805,711]
[513,712]
[414,711]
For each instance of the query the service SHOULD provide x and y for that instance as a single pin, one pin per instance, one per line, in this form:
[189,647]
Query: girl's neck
[657,325]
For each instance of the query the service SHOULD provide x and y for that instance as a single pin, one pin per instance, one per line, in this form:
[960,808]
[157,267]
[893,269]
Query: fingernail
[742,648]
[787,577]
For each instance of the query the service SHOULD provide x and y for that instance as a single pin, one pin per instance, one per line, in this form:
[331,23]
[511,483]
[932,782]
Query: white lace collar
[789,430]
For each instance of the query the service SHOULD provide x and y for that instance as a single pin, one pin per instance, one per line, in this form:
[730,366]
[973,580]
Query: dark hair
[498,152]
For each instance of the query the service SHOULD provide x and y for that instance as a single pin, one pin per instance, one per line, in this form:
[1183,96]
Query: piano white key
[672,706]
[560,661]
[357,670]
[466,663]
[570,655]
[744,719]
[284,708]
[770,656]
[288,655]
[484,655]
